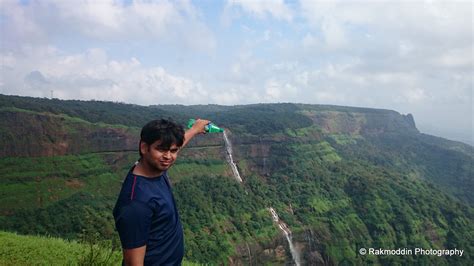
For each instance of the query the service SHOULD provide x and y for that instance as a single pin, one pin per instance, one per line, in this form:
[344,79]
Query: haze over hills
[341,178]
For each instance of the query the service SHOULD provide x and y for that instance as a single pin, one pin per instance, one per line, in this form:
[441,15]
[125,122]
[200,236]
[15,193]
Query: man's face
[158,158]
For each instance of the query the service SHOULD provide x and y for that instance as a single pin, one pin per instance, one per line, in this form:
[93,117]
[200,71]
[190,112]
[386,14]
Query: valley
[340,178]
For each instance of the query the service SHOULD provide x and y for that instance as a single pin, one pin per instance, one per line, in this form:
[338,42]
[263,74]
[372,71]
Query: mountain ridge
[340,179]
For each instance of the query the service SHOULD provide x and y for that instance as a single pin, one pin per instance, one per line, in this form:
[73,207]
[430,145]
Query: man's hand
[199,127]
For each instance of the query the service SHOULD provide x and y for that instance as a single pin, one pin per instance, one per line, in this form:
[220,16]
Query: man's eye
[165,151]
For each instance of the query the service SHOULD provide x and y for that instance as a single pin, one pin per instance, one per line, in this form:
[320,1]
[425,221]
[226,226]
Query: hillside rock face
[326,121]
[35,134]
[30,133]
[363,123]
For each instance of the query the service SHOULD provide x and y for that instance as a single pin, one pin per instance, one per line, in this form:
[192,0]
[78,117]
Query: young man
[145,214]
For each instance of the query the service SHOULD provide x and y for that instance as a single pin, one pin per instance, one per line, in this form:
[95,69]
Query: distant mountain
[341,178]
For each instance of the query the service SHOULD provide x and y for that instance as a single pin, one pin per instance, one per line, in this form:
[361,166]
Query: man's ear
[144,147]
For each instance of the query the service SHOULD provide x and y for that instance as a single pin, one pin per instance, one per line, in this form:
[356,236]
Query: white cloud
[456,58]
[264,8]
[420,21]
[272,90]
[310,42]
[96,18]
[414,95]
[227,97]
[92,75]
[329,95]
[36,22]
[397,55]
[17,25]
[405,48]
[302,78]
[334,34]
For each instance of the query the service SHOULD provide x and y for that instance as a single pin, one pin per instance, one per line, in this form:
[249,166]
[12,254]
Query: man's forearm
[188,135]
[135,256]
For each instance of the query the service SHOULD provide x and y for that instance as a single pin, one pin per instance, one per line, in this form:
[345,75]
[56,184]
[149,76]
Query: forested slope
[342,178]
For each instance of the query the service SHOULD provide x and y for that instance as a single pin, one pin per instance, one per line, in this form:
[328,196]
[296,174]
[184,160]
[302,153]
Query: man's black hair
[166,131]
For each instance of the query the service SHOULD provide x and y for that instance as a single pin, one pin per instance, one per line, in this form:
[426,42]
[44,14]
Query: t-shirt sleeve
[133,224]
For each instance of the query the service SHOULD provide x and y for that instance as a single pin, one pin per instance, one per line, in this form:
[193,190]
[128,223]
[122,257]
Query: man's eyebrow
[162,147]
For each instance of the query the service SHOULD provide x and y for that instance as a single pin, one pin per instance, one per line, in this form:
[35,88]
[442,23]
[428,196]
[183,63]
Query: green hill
[342,178]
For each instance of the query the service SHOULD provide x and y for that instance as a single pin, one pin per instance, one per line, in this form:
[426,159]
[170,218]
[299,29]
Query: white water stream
[228,147]
[286,230]
[282,225]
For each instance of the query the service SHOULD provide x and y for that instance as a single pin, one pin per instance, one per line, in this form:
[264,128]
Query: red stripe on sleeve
[133,186]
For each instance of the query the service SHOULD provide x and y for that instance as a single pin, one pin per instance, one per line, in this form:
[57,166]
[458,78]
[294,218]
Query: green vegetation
[342,178]
[61,195]
[218,215]
[34,250]
[37,250]
[47,180]
[92,111]
[343,139]
[189,168]
[352,203]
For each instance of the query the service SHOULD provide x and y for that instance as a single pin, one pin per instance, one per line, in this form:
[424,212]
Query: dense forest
[341,178]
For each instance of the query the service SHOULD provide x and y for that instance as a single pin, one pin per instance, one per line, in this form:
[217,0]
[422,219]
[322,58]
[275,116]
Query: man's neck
[145,170]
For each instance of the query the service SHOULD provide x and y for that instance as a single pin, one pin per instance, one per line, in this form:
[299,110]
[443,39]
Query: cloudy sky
[409,56]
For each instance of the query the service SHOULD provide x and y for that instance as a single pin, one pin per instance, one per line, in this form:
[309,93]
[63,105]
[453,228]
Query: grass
[36,250]
[40,250]
[311,131]
[321,152]
[345,139]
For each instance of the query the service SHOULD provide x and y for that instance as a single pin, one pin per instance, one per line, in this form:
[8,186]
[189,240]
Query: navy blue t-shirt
[146,214]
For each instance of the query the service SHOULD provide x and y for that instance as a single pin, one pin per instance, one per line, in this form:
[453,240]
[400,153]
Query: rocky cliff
[29,133]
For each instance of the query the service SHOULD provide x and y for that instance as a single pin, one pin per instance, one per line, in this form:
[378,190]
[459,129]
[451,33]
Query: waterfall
[281,224]
[230,160]
[286,230]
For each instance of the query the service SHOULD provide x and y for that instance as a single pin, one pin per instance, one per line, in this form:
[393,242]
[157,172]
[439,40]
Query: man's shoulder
[134,188]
